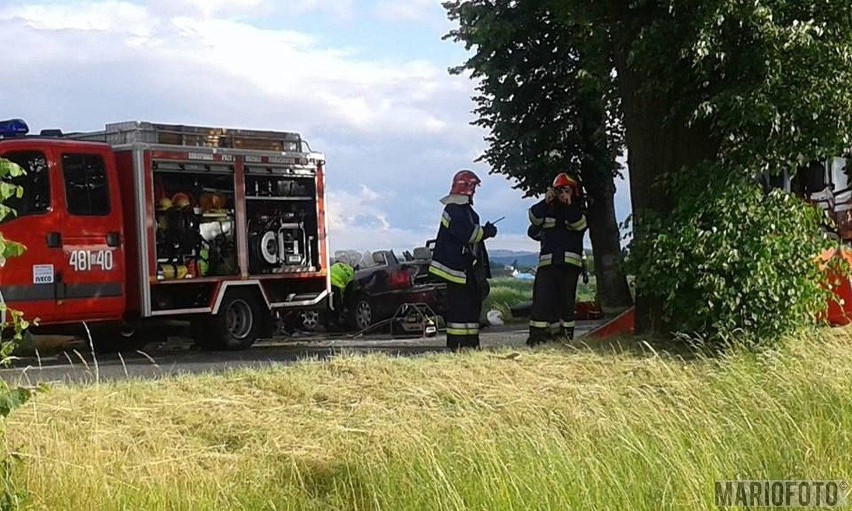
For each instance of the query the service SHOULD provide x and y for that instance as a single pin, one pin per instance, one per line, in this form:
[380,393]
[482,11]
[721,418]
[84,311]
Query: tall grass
[601,428]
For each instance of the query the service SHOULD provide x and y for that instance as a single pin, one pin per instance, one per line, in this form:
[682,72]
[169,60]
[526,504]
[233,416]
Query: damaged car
[384,286]
[385,283]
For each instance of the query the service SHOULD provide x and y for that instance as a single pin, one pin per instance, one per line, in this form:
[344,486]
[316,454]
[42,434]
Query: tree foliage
[538,79]
[545,94]
[8,171]
[774,79]
[736,264]
[13,320]
[766,83]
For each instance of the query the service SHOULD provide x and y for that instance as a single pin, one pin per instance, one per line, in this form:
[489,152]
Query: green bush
[733,264]
[13,322]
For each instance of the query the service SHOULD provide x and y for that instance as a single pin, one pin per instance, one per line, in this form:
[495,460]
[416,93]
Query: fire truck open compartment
[195,217]
[197,237]
[282,220]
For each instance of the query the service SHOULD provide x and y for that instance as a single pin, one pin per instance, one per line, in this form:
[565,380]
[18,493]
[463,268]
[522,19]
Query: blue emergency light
[13,128]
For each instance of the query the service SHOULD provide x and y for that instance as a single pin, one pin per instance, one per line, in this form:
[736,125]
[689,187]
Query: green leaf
[10,169]
[14,398]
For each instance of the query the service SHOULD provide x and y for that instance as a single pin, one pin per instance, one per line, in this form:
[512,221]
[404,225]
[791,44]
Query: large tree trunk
[613,291]
[658,144]
[597,170]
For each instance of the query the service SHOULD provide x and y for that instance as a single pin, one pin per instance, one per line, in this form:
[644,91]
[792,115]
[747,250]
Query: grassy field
[557,428]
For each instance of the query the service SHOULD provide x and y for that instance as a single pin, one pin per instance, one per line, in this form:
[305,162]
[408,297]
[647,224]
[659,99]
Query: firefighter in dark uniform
[460,259]
[558,223]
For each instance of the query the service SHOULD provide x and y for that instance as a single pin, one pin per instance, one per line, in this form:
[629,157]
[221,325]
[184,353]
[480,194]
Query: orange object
[465,183]
[205,202]
[211,201]
[839,311]
[623,324]
[587,310]
[181,200]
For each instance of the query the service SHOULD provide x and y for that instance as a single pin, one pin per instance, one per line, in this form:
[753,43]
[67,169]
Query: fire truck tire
[310,320]
[237,325]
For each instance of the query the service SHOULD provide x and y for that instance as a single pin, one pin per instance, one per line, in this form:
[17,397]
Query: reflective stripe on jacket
[459,238]
[559,228]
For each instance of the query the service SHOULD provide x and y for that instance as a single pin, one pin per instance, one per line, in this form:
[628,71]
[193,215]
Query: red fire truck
[144,222]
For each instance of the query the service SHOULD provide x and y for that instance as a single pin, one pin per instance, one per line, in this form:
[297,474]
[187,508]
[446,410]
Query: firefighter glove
[490,230]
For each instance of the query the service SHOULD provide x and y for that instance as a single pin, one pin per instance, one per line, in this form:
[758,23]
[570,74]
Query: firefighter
[558,223]
[460,259]
[342,276]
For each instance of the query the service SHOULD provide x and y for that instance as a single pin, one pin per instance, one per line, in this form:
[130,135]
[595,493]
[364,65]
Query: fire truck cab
[143,222]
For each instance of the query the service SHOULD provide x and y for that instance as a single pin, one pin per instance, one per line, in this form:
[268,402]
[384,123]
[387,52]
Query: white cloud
[342,9]
[394,131]
[345,206]
[396,10]
[208,8]
[360,222]
[110,16]
[337,8]
[330,86]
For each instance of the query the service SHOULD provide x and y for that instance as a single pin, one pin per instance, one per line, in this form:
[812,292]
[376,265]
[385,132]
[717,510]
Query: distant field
[507,292]
[549,429]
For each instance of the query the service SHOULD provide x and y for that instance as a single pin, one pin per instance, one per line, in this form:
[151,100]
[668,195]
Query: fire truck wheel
[236,326]
[310,320]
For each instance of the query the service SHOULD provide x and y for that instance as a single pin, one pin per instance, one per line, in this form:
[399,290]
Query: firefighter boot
[470,342]
[453,342]
[566,334]
[537,336]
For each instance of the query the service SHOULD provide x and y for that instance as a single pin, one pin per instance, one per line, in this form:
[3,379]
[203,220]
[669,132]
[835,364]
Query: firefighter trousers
[554,296]
[464,307]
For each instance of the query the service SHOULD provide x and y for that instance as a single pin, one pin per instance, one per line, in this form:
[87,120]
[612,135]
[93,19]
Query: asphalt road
[77,365]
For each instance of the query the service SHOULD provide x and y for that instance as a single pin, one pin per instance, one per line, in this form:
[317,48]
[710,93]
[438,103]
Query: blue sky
[363,81]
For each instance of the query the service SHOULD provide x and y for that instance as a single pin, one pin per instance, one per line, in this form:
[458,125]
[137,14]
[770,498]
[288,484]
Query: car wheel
[362,313]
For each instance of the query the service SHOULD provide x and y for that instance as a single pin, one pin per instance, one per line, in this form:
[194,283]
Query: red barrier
[839,309]
[623,324]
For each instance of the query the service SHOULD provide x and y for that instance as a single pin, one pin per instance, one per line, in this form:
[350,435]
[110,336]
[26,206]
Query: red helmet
[464,183]
[563,180]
